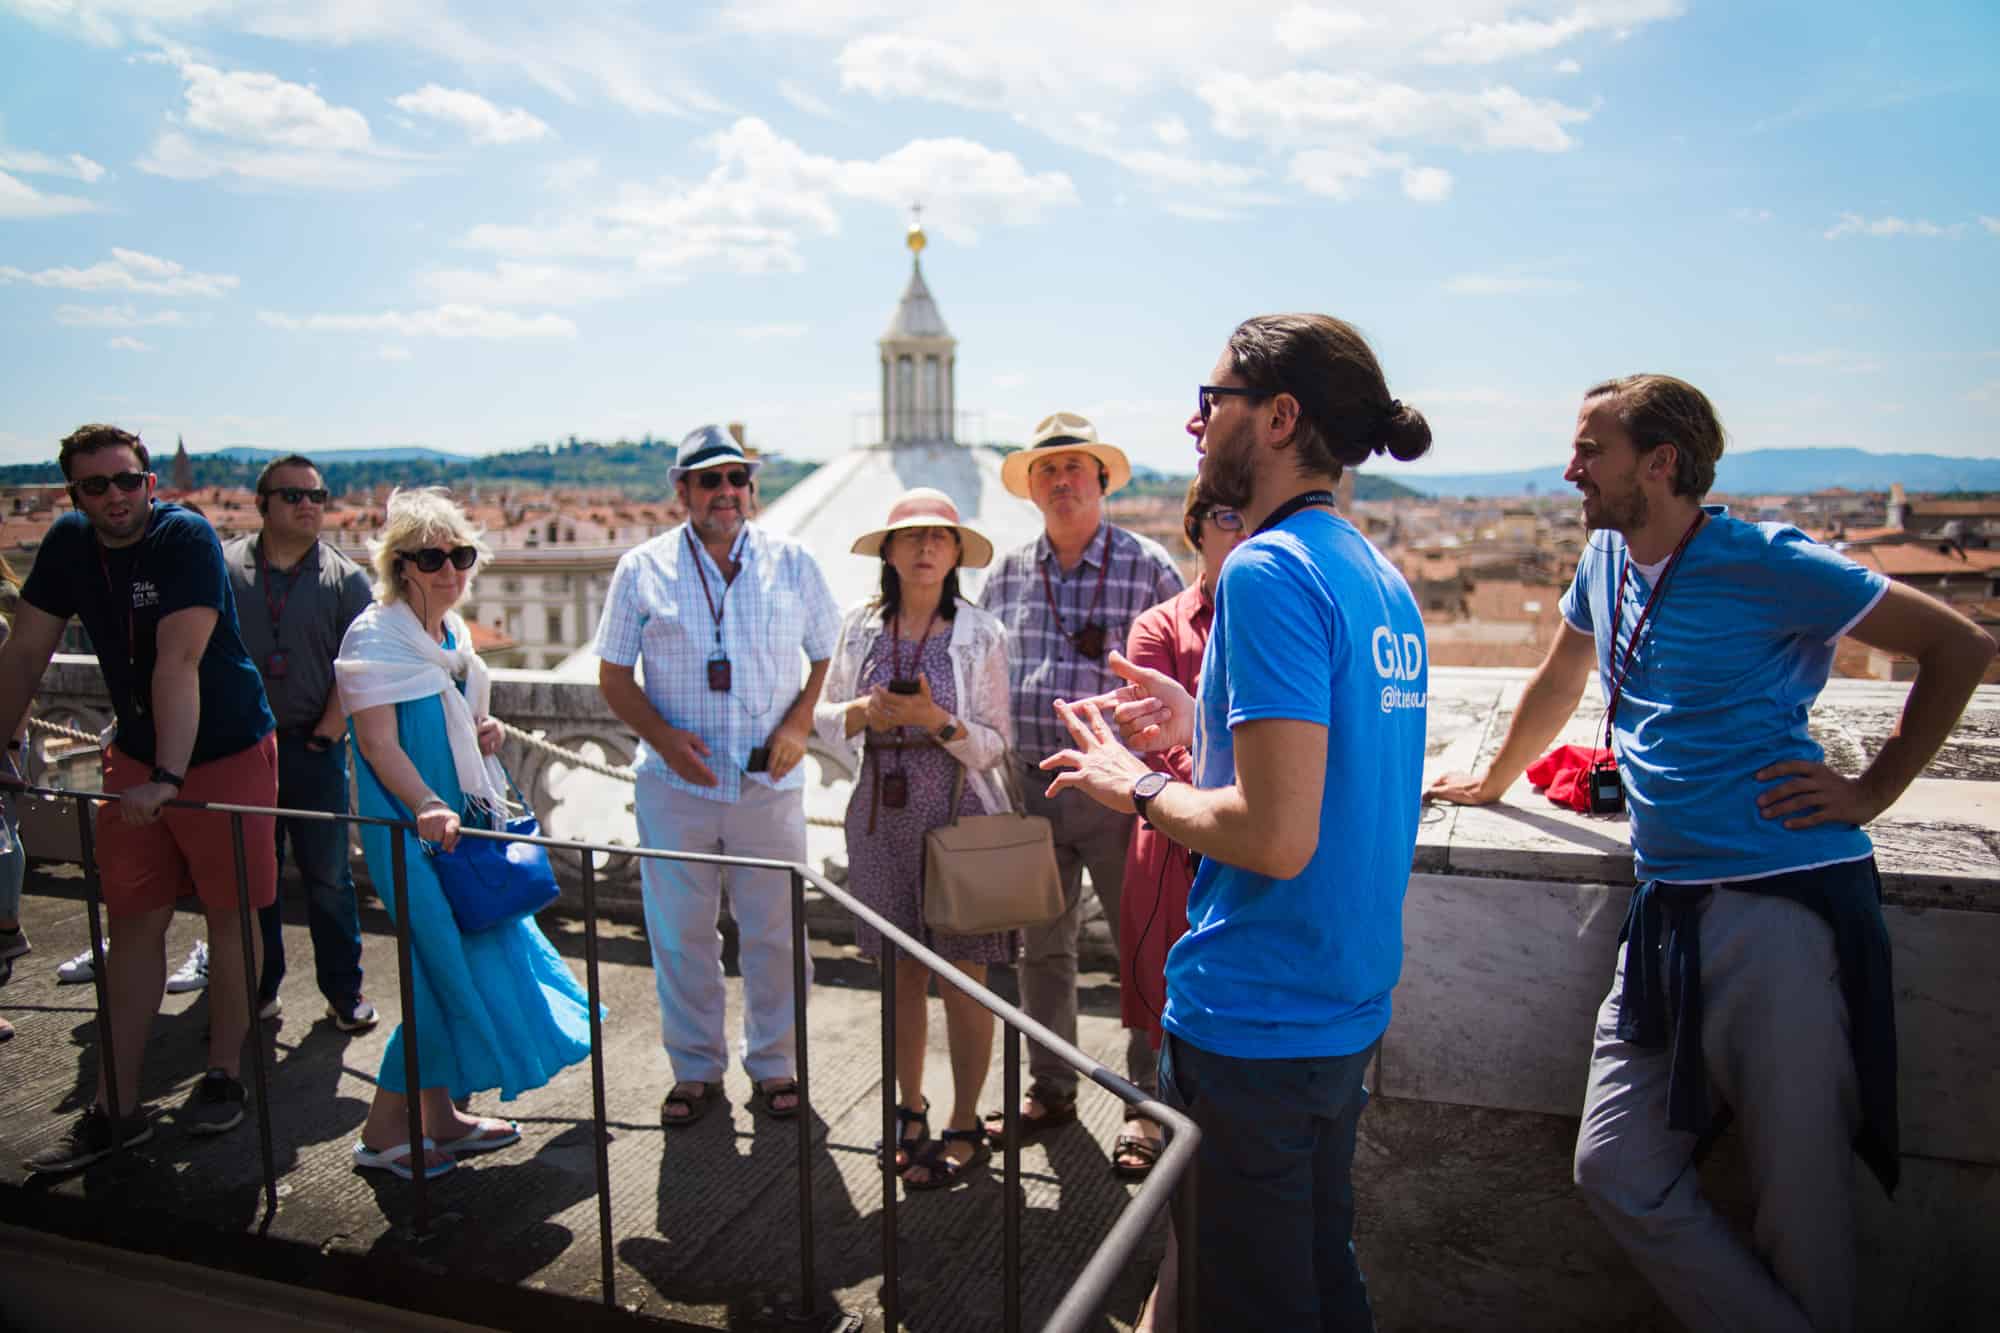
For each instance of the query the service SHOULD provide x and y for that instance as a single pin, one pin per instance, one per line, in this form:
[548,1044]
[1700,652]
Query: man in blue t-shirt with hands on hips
[1309,748]
[1754,978]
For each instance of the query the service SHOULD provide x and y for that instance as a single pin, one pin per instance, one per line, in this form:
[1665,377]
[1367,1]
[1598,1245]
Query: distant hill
[244,453]
[1762,472]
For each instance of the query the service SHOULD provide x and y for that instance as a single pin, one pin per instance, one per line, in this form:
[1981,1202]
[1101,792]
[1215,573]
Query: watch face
[1150,785]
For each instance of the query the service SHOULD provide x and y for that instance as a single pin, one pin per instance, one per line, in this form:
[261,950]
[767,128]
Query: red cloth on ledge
[1563,774]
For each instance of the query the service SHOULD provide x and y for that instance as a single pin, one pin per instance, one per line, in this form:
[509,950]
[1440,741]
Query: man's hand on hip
[1816,795]
[684,753]
[788,747]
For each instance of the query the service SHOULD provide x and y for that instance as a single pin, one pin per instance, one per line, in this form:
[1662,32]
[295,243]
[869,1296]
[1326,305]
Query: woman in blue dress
[497,1009]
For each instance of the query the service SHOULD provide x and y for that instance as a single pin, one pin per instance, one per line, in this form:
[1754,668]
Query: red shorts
[147,866]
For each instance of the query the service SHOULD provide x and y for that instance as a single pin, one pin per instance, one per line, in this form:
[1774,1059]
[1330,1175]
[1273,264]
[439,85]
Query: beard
[125,531]
[1228,476]
[1619,515]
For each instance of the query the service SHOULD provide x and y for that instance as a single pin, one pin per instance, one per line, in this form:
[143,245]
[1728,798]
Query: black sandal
[1146,1151]
[943,1167]
[697,1106]
[785,1088]
[906,1144]
[1058,1109]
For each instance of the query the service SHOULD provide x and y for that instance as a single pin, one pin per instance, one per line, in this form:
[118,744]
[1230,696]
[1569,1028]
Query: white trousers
[1774,1041]
[683,905]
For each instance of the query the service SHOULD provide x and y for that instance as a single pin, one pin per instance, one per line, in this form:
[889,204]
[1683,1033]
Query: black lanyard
[131,621]
[1090,616]
[1293,506]
[1624,670]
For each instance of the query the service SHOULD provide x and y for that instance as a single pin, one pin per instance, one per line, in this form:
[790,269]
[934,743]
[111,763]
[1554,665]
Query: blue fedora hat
[706,447]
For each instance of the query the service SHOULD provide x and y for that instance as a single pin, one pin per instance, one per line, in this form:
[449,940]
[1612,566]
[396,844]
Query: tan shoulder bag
[986,873]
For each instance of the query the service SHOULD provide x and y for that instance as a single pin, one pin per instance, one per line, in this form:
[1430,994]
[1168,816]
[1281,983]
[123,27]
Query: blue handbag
[490,883]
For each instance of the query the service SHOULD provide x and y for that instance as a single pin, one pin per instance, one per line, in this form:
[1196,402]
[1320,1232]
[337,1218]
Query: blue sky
[356,223]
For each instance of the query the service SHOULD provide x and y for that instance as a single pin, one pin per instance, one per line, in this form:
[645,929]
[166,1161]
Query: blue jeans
[1274,1189]
[308,781]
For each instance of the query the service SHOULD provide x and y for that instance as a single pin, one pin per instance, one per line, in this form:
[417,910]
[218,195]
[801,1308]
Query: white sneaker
[271,1008]
[192,974]
[79,968]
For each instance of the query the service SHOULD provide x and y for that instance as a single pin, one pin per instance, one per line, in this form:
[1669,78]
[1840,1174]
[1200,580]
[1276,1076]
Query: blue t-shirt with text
[121,595]
[1738,647]
[1313,625]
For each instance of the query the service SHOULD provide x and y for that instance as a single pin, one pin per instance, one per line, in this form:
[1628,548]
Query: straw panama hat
[1065,432]
[927,508]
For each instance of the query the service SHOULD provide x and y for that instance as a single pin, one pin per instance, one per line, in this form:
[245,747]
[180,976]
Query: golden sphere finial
[915,238]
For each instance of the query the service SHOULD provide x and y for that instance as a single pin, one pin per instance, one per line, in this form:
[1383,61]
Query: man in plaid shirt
[721,613]
[1067,598]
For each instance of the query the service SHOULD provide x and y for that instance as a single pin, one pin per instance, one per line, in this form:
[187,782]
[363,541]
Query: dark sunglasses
[291,495]
[96,486]
[1206,394]
[431,559]
[738,477]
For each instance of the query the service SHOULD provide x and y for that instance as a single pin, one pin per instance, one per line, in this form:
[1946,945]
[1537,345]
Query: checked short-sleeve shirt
[1045,664]
[657,617]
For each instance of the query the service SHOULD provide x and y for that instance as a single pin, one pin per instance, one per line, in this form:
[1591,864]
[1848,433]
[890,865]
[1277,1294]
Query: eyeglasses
[431,559]
[1206,394]
[96,486]
[291,495]
[738,477]
[1226,519]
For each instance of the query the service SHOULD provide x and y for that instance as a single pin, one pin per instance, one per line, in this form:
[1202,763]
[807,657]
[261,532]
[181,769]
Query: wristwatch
[949,731]
[166,775]
[1149,785]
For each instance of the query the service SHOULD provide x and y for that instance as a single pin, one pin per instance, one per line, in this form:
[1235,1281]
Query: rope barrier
[59,729]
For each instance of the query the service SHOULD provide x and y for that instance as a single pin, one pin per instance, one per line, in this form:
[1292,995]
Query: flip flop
[396,1160]
[490,1136]
[782,1088]
[697,1106]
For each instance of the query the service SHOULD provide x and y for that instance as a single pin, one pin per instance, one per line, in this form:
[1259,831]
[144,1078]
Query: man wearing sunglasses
[149,583]
[728,620]
[1067,599]
[297,596]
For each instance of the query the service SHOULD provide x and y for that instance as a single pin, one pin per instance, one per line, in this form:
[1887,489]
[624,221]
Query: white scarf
[387,657]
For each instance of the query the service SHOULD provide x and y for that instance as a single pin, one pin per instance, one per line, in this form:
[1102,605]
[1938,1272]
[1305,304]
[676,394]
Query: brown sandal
[1058,1109]
[1133,1156]
[697,1105]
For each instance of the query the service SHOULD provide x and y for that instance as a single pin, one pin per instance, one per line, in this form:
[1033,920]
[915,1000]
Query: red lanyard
[131,624]
[715,609]
[1103,571]
[276,607]
[896,646]
[1624,672]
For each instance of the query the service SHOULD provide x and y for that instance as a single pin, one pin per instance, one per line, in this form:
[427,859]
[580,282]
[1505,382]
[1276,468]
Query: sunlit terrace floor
[1467,1216]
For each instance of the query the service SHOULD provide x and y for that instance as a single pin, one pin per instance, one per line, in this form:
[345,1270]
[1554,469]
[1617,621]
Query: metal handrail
[1078,1305]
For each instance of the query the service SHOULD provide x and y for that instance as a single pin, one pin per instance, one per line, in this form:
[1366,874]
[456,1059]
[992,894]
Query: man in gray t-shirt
[296,597]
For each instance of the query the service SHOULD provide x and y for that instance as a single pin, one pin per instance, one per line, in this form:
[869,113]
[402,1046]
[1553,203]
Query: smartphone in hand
[760,760]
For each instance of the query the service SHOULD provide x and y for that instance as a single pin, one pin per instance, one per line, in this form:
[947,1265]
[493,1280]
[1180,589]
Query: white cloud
[259,127]
[1751,214]
[1304,106]
[446,321]
[393,352]
[1486,43]
[116,317]
[1304,29]
[805,100]
[1427,185]
[510,283]
[482,121]
[1991,224]
[128,271]
[1568,67]
[752,211]
[1853,224]
[570,174]
[75,167]
[766,332]
[122,343]
[18,200]
[1171,131]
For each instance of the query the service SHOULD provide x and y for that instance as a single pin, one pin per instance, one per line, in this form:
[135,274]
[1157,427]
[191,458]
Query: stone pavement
[1468,1219]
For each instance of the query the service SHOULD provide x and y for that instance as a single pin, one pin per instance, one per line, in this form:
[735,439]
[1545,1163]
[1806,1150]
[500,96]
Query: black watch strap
[168,776]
